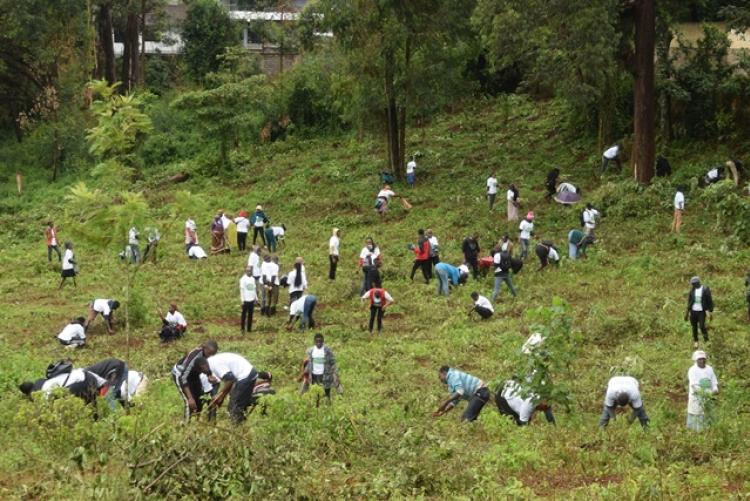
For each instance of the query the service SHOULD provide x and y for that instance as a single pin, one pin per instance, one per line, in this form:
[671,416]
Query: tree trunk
[107,43]
[125,72]
[142,63]
[644,113]
[391,116]
[664,73]
[132,39]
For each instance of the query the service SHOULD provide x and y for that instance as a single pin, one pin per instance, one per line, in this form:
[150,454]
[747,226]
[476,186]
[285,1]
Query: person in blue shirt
[448,275]
[259,220]
[463,386]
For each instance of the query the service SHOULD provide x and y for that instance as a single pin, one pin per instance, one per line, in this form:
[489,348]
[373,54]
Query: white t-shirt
[434,248]
[133,236]
[526,228]
[175,318]
[67,380]
[589,218]
[66,264]
[491,185]
[698,301]
[484,303]
[243,224]
[134,379]
[700,381]
[523,407]
[269,273]
[190,227]
[510,195]
[197,252]
[102,306]
[292,276]
[612,152]
[223,363]
[387,194]
[368,256]
[318,361]
[254,260]
[333,245]
[248,290]
[298,306]
[463,269]
[623,384]
[553,255]
[278,231]
[71,332]
[225,222]
[410,167]
[679,200]
[713,174]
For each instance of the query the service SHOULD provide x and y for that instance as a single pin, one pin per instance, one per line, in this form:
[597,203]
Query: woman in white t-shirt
[333,253]
[243,226]
[513,202]
[369,261]
[297,280]
[68,265]
[320,368]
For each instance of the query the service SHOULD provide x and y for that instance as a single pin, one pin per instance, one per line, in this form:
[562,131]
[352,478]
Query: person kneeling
[74,334]
[173,324]
[482,306]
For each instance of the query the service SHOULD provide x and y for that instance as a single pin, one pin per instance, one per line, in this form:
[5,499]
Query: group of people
[271,237]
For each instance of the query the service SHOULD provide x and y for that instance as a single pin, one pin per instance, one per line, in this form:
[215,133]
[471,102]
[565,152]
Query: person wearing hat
[699,304]
[259,220]
[526,231]
[622,391]
[702,385]
[243,226]
[333,253]
[448,275]
[463,386]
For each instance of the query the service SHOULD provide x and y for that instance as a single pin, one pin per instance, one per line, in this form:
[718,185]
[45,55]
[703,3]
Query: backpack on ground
[58,368]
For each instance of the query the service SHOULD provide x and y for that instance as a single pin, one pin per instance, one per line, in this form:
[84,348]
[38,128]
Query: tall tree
[207,32]
[644,125]
[105,41]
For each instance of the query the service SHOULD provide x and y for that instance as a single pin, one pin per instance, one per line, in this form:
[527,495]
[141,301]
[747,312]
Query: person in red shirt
[422,257]
[379,300]
[51,233]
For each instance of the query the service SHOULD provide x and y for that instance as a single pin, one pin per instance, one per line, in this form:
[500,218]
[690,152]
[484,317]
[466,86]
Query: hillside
[379,440]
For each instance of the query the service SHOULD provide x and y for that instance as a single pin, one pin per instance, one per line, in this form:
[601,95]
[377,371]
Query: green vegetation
[378,440]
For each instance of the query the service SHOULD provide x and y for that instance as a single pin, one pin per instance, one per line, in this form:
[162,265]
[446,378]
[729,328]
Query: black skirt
[69,273]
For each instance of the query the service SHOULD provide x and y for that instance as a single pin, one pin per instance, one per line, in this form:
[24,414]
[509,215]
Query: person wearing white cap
[702,385]
[699,303]
[259,220]
[622,391]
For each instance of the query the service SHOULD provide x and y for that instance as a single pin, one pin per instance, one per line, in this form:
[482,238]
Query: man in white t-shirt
[105,308]
[622,391]
[526,231]
[679,208]
[612,154]
[702,386]
[482,306]
[135,250]
[333,253]
[243,226]
[269,279]
[73,335]
[491,189]
[590,216]
[238,377]
[511,402]
[411,176]
[254,260]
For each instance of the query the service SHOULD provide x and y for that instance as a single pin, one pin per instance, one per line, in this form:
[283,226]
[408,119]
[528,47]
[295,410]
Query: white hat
[698,354]
[258,207]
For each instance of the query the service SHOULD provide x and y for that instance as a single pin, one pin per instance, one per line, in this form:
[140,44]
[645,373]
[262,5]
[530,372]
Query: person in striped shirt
[463,386]
[186,375]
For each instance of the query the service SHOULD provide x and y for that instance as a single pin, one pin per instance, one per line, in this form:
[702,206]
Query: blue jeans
[609,413]
[524,247]
[410,178]
[443,282]
[499,279]
[572,250]
[135,253]
[307,312]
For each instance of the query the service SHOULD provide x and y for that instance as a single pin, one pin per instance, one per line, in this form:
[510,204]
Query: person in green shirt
[577,243]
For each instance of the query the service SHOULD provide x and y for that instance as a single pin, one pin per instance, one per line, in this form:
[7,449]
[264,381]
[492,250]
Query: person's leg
[475,268]
[504,408]
[496,288]
[426,270]
[414,267]
[380,320]
[274,298]
[49,253]
[524,248]
[250,309]
[481,397]
[243,317]
[694,324]
[491,199]
[331,267]
[607,414]
[640,413]
[241,240]
[509,281]
[186,410]
[605,163]
[263,237]
[372,317]
[549,416]
[572,250]
[241,397]
[255,234]
[485,313]
[702,324]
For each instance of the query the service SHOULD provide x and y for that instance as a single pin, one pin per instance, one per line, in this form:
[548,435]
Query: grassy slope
[378,440]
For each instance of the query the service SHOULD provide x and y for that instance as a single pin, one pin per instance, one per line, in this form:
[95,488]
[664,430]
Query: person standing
[269,278]
[482,306]
[238,378]
[379,300]
[448,275]
[333,253]
[51,234]
[526,231]
[320,368]
[259,221]
[153,236]
[243,226]
[702,386]
[513,202]
[135,250]
[68,265]
[248,296]
[411,175]
[612,154]
[622,391]
[186,375]
[434,247]
[491,190]
[506,244]
[297,280]
[302,309]
[511,402]
[471,250]
[369,261]
[463,386]
[699,304]
[422,257]
[191,234]
[590,217]
[503,267]
[679,207]
[218,235]
[253,259]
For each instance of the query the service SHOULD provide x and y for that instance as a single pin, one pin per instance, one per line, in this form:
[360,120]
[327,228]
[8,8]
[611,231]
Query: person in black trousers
[699,304]
[422,258]
[471,251]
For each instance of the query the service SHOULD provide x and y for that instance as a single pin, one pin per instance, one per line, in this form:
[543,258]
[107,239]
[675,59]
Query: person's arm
[226,387]
[388,299]
[709,300]
[190,398]
[447,405]
[689,302]
[108,322]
